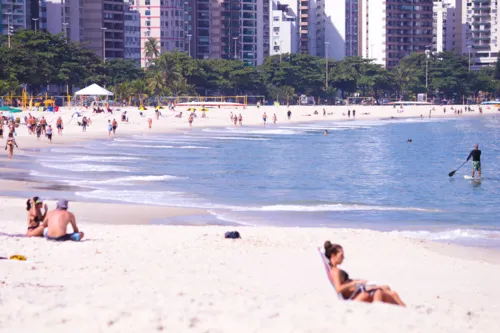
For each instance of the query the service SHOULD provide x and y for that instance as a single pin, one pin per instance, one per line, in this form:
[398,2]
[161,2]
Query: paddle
[453,172]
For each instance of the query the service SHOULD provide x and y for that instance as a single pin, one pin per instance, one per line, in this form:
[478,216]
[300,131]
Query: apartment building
[393,29]
[284,27]
[61,16]
[15,14]
[329,28]
[164,21]
[479,20]
[352,28]
[132,33]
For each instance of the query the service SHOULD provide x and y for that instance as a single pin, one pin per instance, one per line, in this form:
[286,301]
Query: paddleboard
[474,179]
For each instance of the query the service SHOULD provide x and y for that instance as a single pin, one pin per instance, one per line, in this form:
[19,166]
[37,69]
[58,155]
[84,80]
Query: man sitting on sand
[56,223]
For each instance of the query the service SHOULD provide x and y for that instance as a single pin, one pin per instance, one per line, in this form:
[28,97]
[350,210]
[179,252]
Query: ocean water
[364,174]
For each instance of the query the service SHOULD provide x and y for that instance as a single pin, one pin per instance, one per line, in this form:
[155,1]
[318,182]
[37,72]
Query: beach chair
[327,269]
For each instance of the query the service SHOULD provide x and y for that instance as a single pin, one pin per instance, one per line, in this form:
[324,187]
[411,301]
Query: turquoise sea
[364,174]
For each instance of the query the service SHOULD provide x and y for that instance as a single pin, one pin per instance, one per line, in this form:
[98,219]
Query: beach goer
[150,123]
[57,221]
[49,133]
[235,119]
[190,120]
[325,132]
[275,119]
[476,161]
[1,129]
[59,126]
[289,114]
[43,122]
[264,118]
[348,113]
[84,124]
[231,117]
[115,125]
[240,119]
[35,217]
[38,131]
[355,290]
[9,146]
[354,113]
[110,129]
[157,112]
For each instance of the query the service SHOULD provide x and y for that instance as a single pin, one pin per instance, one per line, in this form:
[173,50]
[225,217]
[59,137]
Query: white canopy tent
[93,90]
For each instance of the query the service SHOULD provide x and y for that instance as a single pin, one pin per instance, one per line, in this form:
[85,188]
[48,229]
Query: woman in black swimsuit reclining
[35,217]
[355,290]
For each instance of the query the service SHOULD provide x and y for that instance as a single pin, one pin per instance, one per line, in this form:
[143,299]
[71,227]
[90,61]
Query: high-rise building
[393,29]
[66,16]
[330,26]
[227,29]
[443,25]
[479,20]
[352,28]
[103,27]
[14,14]
[132,33]
[307,27]
[162,20]
[284,27]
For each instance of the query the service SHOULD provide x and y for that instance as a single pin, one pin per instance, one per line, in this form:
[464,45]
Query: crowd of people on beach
[51,224]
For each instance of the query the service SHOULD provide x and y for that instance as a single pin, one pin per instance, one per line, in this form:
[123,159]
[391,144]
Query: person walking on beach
[275,119]
[59,125]
[190,120]
[49,133]
[38,131]
[240,119]
[354,113]
[110,129]
[115,125]
[235,120]
[289,114]
[264,117]
[348,113]
[43,123]
[9,146]
[84,124]
[476,161]
[56,223]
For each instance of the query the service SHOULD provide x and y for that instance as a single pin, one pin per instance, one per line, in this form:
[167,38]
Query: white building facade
[284,31]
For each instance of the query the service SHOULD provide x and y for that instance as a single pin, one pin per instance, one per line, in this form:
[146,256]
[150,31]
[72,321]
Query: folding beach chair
[327,269]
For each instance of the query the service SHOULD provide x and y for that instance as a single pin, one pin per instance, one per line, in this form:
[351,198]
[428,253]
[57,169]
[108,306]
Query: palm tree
[139,89]
[151,49]
[156,85]
[404,76]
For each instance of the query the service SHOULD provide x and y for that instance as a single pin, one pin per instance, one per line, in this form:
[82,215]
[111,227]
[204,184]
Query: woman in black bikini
[35,217]
[356,290]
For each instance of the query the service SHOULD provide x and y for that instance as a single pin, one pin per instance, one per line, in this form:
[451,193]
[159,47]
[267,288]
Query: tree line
[38,59]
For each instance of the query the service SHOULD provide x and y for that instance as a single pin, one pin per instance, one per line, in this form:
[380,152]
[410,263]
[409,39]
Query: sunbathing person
[35,217]
[57,222]
[355,290]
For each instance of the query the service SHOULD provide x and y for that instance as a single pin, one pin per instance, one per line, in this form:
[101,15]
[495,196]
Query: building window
[148,12]
[147,2]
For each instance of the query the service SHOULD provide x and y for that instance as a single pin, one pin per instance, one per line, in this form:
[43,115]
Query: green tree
[151,49]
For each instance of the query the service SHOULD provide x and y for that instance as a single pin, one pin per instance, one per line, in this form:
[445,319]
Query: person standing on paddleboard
[476,161]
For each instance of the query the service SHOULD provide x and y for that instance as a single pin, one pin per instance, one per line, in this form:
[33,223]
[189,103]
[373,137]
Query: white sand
[216,117]
[131,278]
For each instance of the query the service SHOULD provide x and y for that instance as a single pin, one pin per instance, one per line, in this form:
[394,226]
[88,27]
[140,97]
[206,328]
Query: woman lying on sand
[355,290]
[35,217]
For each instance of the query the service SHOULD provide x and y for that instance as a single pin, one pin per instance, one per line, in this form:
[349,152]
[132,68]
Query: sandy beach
[130,275]
[127,278]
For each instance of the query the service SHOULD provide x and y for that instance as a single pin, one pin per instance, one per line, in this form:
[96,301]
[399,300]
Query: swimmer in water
[325,132]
